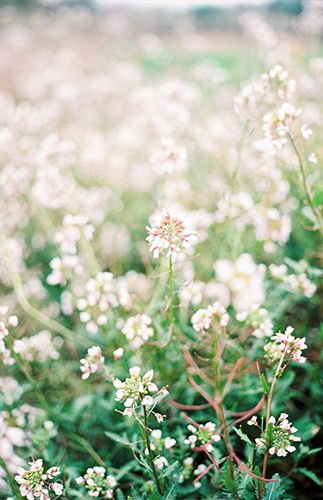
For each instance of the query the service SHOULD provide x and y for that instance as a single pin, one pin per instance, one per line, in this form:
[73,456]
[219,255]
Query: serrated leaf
[170,469]
[264,384]
[271,489]
[171,494]
[122,440]
[257,481]
[230,484]
[310,474]
[243,436]
[125,469]
[135,495]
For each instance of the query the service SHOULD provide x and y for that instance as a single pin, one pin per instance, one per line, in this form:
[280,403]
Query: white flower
[305,132]
[171,230]
[312,158]
[161,462]
[169,442]
[147,400]
[134,371]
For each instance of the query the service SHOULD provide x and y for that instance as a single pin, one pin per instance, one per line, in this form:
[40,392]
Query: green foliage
[272,490]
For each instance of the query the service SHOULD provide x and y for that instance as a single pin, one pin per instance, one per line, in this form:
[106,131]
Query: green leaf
[133,464]
[170,469]
[257,483]
[135,495]
[271,489]
[264,384]
[171,494]
[310,474]
[243,436]
[230,484]
[122,440]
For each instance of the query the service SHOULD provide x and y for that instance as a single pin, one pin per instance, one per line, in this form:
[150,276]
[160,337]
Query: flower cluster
[258,318]
[35,484]
[204,435]
[137,329]
[170,231]
[93,362]
[96,481]
[243,280]
[298,281]
[71,231]
[158,442]
[137,388]
[202,319]
[271,85]
[103,292]
[279,437]
[285,343]
[73,228]
[276,124]
[170,158]
[40,347]
[6,322]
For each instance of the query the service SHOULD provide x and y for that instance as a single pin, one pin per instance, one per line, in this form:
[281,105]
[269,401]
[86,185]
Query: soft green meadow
[160,260]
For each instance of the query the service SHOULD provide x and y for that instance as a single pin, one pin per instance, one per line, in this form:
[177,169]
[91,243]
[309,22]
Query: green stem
[23,301]
[316,214]
[270,397]
[88,250]
[150,455]
[217,349]
[24,369]
[171,291]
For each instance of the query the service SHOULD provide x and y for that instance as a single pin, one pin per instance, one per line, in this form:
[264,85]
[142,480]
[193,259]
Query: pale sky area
[183,3]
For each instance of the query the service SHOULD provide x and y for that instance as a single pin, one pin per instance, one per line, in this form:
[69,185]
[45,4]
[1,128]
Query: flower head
[205,434]
[288,344]
[96,482]
[34,483]
[170,231]
[137,391]
[279,437]
[93,362]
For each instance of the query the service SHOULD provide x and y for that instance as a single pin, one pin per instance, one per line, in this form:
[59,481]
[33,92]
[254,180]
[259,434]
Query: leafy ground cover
[160,263]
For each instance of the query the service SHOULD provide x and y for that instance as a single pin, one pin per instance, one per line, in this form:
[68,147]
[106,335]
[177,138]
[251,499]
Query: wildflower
[253,421]
[279,438]
[243,280]
[170,231]
[312,158]
[286,343]
[118,353]
[102,293]
[205,434]
[136,390]
[96,481]
[161,462]
[170,158]
[34,483]
[137,330]
[93,362]
[202,319]
[305,132]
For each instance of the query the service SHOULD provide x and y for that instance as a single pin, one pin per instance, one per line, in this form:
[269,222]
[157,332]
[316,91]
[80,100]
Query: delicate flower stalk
[150,455]
[311,204]
[291,346]
[21,297]
[171,292]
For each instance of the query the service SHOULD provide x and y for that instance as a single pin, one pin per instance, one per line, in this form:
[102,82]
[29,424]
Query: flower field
[161,250]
